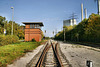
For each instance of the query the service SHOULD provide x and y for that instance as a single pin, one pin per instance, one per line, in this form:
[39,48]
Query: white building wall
[71,22]
[74,22]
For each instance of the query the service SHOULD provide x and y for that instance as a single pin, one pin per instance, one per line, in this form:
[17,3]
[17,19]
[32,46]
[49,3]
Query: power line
[73,16]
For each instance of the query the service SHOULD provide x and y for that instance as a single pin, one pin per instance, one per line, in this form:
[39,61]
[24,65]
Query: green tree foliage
[88,30]
[2,21]
[60,35]
[42,35]
[17,29]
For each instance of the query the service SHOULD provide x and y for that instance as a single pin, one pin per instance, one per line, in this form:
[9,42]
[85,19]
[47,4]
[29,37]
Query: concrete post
[89,63]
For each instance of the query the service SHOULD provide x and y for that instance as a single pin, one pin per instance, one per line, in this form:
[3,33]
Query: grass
[11,52]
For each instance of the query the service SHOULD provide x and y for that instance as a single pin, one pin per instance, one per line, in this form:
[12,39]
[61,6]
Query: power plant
[85,13]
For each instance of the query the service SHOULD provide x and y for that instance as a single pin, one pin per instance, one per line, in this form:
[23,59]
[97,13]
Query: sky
[50,12]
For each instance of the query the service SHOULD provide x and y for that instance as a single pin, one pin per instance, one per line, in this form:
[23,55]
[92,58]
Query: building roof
[40,23]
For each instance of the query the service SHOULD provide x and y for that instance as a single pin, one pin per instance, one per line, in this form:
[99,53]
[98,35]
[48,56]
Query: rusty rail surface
[40,61]
[59,59]
[55,48]
[56,54]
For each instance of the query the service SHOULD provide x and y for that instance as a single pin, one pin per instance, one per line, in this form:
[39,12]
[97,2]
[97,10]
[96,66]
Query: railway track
[49,56]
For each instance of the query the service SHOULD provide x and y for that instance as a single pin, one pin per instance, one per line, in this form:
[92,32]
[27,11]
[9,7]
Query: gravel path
[77,55]
[25,59]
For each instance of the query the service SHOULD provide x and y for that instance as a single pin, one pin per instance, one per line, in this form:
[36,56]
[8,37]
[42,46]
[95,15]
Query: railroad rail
[49,56]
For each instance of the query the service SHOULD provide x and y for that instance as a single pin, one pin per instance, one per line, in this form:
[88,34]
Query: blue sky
[50,12]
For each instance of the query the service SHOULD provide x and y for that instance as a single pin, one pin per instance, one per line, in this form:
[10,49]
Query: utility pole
[53,33]
[64,34]
[82,11]
[56,31]
[12,19]
[45,33]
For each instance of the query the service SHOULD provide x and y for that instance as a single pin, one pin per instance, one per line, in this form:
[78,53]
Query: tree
[2,21]
[18,30]
[87,30]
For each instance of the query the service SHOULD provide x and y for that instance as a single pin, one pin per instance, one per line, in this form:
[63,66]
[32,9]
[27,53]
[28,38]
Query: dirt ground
[77,55]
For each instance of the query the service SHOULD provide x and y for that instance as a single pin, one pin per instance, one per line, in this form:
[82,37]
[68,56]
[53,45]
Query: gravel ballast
[77,55]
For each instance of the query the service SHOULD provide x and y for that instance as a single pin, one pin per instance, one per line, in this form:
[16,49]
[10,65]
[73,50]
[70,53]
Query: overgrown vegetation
[86,31]
[11,52]
[8,39]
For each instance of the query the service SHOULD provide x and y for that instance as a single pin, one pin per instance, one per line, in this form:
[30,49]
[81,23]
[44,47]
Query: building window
[31,26]
[34,26]
[37,26]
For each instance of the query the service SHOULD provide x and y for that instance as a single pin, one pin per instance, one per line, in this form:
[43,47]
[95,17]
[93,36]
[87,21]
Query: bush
[87,30]
[33,40]
[8,39]
[9,53]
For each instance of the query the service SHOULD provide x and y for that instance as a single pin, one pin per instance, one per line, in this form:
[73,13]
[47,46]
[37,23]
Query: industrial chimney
[85,13]
[82,11]
[99,7]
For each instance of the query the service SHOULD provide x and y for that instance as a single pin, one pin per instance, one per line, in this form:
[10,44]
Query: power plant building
[69,22]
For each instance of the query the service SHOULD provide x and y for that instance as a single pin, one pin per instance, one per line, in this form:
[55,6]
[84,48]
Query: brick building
[33,31]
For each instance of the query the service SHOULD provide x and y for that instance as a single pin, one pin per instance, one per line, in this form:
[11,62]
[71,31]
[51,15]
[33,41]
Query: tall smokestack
[99,7]
[82,11]
[85,13]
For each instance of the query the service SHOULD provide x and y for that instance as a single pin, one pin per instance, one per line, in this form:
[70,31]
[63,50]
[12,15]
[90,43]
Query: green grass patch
[11,52]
